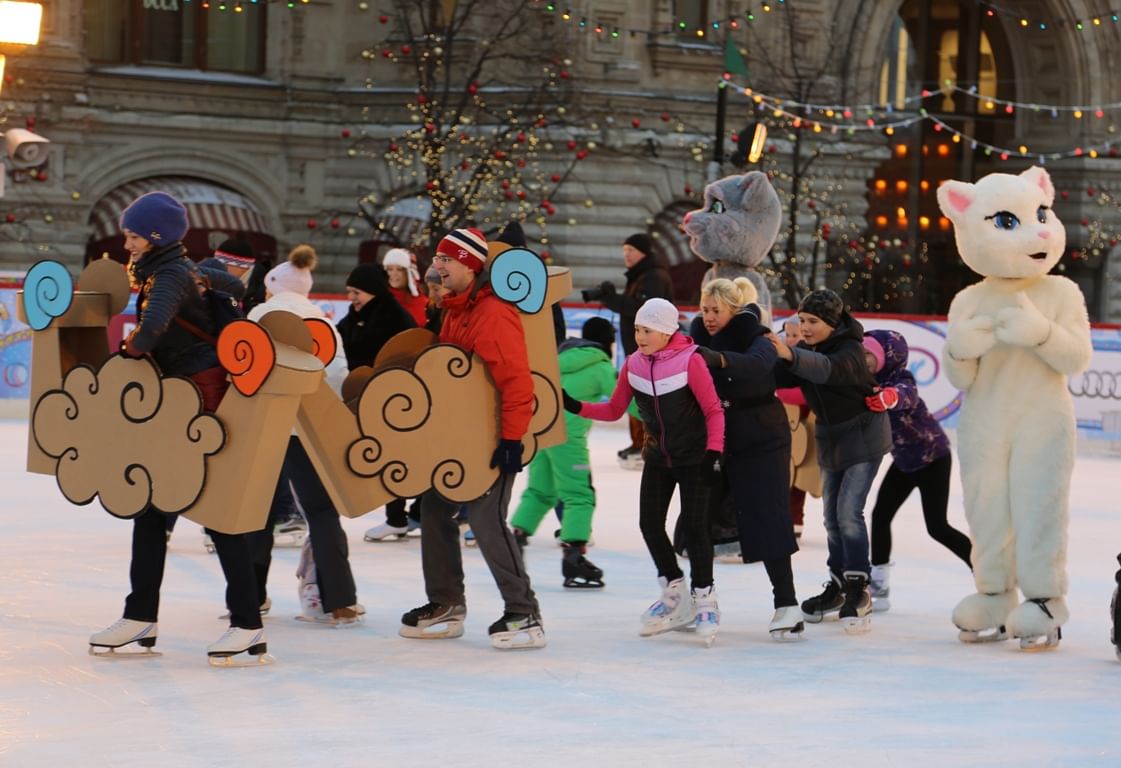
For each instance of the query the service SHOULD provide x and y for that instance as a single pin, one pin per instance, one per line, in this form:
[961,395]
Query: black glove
[571,404]
[712,358]
[607,289]
[507,457]
[710,467]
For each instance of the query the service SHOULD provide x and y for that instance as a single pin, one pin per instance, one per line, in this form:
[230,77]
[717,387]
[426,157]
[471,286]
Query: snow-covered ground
[906,694]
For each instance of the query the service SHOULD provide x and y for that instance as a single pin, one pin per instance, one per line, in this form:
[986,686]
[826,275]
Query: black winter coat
[754,419]
[168,282]
[645,280]
[366,331]
[835,380]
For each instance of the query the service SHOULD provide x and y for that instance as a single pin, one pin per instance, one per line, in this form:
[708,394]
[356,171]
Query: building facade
[270,119]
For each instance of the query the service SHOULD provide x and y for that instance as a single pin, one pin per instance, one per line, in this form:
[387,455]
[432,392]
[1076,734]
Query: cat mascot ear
[954,198]
[1041,179]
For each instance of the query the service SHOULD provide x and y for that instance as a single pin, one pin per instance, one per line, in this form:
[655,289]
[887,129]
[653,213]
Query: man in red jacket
[479,322]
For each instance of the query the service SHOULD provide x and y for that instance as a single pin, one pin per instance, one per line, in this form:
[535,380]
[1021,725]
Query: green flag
[733,59]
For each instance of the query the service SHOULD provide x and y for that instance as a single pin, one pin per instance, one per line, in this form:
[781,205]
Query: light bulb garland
[1050,23]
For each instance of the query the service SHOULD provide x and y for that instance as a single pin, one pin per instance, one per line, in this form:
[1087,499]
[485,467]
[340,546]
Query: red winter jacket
[478,321]
[417,306]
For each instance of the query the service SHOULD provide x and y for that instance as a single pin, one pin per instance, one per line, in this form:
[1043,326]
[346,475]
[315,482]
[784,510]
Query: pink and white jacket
[677,400]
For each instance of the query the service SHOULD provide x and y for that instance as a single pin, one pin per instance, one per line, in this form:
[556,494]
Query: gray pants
[442,558]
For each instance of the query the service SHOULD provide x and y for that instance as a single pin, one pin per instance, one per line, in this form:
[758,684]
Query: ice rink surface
[907,694]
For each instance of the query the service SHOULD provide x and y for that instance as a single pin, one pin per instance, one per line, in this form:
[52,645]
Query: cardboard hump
[106,276]
[289,329]
[404,348]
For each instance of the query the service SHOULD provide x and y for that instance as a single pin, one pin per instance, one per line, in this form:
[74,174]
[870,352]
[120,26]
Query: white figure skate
[673,610]
[707,620]
[125,632]
[787,625]
[239,648]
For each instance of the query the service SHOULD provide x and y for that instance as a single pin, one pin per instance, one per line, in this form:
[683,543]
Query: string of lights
[1043,24]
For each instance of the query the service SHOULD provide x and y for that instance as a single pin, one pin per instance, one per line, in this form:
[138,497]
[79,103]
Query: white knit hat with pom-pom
[294,275]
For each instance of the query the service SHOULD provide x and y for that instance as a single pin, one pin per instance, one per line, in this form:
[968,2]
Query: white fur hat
[658,315]
[399,257]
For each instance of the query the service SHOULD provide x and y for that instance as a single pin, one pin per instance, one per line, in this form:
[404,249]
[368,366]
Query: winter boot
[517,632]
[786,625]
[122,633]
[856,610]
[433,621]
[827,604]
[578,571]
[707,615]
[672,610]
[880,588]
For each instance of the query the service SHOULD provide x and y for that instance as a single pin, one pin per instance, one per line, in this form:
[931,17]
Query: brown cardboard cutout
[126,435]
[805,472]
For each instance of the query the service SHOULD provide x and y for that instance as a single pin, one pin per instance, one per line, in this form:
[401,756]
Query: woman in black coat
[757,438]
[374,317]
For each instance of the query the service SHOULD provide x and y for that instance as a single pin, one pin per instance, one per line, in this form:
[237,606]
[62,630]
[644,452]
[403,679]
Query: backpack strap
[196,331]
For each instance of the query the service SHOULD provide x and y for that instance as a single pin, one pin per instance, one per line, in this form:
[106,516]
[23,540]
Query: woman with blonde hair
[757,438]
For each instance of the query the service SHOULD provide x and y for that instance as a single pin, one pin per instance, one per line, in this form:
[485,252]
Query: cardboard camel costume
[1012,341]
[112,428]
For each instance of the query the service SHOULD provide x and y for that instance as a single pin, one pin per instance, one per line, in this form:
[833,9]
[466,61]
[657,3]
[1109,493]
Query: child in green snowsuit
[563,472]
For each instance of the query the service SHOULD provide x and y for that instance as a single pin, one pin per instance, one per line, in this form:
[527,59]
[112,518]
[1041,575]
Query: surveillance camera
[26,149]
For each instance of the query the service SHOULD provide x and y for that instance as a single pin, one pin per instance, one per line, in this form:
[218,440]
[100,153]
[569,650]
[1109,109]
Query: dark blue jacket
[169,287]
[917,439]
[754,419]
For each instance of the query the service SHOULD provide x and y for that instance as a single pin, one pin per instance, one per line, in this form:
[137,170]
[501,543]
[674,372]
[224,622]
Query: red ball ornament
[41,176]
[636,123]
[521,162]
[541,122]
[826,230]
[665,117]
[1064,194]
[312,223]
[346,133]
[735,138]
[772,149]
[546,204]
[907,260]
[688,190]
[555,178]
[811,204]
[505,184]
[499,154]
[30,123]
[10,218]
[868,262]
[519,137]
[335,223]
[1091,191]
[509,195]
[1113,151]
[472,88]
[1085,222]
[853,244]
[406,50]
[571,144]
[386,53]
[421,99]
[383,19]
[521,194]
[581,154]
[430,127]
[465,165]
[564,74]
[546,256]
[392,147]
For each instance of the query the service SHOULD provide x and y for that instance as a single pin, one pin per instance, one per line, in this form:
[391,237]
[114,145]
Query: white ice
[909,693]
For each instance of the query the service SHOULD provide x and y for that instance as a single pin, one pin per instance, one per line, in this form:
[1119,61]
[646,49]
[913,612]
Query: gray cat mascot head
[736,229]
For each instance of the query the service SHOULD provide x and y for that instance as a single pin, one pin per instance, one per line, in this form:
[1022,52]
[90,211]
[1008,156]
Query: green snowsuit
[563,472]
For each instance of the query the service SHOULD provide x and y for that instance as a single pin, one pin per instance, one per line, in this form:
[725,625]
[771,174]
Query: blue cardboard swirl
[48,291]
[518,276]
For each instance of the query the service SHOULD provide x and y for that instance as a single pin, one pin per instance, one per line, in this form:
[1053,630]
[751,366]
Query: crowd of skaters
[706,421]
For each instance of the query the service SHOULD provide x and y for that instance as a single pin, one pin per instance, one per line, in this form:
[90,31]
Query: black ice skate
[578,571]
[239,647]
[856,611]
[1115,609]
[513,632]
[825,605]
[433,621]
[125,632]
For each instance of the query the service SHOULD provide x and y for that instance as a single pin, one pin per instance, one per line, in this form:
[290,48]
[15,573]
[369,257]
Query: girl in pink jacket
[670,382]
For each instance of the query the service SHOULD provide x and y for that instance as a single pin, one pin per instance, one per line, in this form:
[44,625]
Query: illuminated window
[986,72]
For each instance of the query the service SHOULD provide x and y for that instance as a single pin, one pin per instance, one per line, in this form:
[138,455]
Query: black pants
[261,542]
[655,492]
[149,553]
[933,482]
[395,513]
[328,539]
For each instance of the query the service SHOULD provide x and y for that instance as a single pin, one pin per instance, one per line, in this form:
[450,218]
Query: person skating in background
[646,279]
[168,289]
[791,335]
[684,428]
[828,364]
[756,439]
[1115,609]
[373,319]
[920,458]
[326,584]
[480,323]
[563,473]
[404,283]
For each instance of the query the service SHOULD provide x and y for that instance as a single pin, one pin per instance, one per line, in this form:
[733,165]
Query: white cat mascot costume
[1013,339]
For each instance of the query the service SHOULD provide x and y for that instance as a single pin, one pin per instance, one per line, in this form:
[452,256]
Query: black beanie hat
[825,304]
[513,235]
[640,241]
[599,330]
[369,278]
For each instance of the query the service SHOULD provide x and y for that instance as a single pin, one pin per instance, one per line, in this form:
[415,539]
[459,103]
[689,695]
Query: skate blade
[858,625]
[990,635]
[632,464]
[241,660]
[708,639]
[792,635]
[661,629]
[391,538]
[583,584]
[519,641]
[287,541]
[102,652]
[1118,651]
[1037,643]
[817,618]
[330,621]
[441,631]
